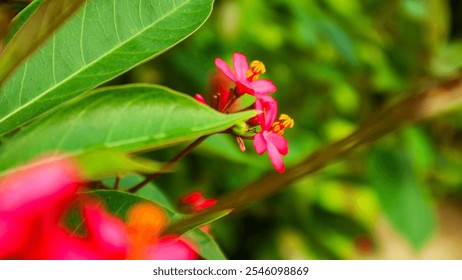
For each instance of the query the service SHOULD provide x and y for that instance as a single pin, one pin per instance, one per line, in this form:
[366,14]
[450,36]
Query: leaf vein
[163,17]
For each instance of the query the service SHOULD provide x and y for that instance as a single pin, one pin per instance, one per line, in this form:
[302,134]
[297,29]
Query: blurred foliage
[335,64]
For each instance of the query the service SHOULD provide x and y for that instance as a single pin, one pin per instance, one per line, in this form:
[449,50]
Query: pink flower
[275,144]
[245,77]
[32,201]
[172,247]
[270,139]
[35,200]
[268,108]
[106,238]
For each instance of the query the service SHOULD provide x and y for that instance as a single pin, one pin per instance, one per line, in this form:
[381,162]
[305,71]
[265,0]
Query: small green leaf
[153,193]
[129,118]
[420,149]
[20,19]
[118,202]
[401,196]
[208,248]
[190,222]
[103,40]
[339,39]
[110,162]
[48,17]
[150,192]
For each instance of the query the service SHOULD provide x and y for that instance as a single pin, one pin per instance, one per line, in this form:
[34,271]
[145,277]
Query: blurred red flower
[34,202]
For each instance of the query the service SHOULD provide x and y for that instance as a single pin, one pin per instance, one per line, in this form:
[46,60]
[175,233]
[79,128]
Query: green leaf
[130,118]
[110,162]
[420,149]
[153,193]
[119,202]
[103,40]
[48,17]
[190,222]
[150,192]
[401,196]
[20,19]
[339,39]
[209,249]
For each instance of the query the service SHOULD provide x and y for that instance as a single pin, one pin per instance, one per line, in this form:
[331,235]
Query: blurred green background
[336,63]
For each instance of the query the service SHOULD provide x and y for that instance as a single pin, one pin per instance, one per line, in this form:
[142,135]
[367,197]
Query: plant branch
[168,165]
[414,108]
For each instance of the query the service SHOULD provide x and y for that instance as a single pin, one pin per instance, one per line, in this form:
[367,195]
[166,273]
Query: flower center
[284,122]
[144,224]
[256,68]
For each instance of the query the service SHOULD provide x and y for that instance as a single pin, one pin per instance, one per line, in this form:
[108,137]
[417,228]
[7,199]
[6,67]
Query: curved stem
[414,108]
[168,165]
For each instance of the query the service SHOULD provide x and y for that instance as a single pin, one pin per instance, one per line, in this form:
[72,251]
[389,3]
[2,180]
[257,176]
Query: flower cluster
[265,130]
[34,202]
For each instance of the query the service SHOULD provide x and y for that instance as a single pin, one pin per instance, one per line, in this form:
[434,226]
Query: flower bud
[240,129]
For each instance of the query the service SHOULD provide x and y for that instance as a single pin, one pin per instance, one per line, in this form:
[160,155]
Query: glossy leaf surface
[130,118]
[103,40]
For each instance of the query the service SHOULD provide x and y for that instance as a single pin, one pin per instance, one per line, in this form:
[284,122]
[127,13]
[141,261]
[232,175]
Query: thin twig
[168,165]
[414,108]
[117,183]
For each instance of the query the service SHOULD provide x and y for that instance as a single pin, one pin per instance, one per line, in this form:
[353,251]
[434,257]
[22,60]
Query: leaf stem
[117,183]
[168,164]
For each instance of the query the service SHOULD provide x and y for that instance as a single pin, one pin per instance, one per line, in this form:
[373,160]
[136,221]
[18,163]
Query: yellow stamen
[287,121]
[256,68]
[284,122]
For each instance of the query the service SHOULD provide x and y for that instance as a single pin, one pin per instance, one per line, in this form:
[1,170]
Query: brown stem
[117,183]
[168,165]
[412,109]
[234,96]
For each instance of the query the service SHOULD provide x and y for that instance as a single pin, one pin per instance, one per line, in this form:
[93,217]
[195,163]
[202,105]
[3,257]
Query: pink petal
[172,248]
[106,232]
[204,204]
[192,197]
[244,87]
[60,245]
[263,87]
[224,68]
[275,158]
[40,187]
[279,142]
[240,66]
[28,197]
[16,235]
[259,142]
[269,108]
[221,84]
